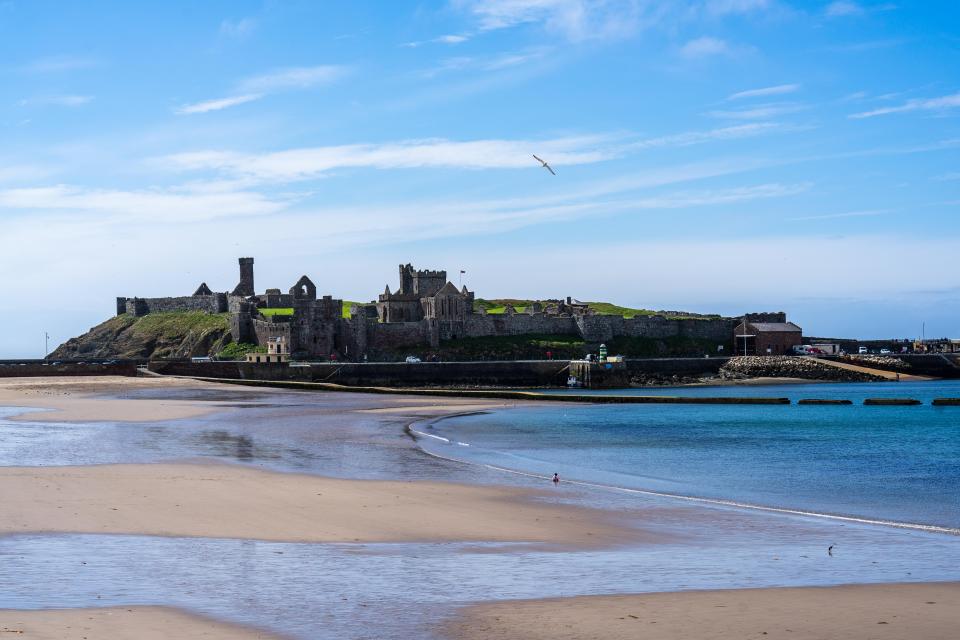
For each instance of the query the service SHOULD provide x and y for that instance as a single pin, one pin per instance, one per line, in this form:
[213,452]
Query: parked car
[862,350]
[412,360]
[884,352]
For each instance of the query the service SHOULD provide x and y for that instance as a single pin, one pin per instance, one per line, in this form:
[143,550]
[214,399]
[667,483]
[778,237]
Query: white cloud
[292,78]
[21,173]
[724,7]
[920,104]
[57,101]
[56,64]
[779,89]
[487,63]
[238,28]
[869,213]
[704,47]
[575,20]
[698,137]
[217,104]
[452,39]
[944,177]
[306,163]
[758,112]
[843,8]
[257,87]
[153,205]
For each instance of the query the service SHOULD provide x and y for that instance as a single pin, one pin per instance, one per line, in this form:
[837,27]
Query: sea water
[899,464]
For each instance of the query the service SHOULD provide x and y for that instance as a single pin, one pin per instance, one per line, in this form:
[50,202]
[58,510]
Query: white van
[862,350]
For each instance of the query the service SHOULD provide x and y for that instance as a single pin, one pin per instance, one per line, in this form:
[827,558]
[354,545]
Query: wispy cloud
[57,101]
[18,173]
[947,177]
[758,112]
[238,28]
[452,38]
[218,104]
[293,78]
[867,45]
[942,103]
[705,46]
[149,205]
[576,20]
[727,7]
[306,163]
[779,89]
[842,8]
[56,64]
[485,63]
[845,8]
[259,86]
[847,214]
[698,137]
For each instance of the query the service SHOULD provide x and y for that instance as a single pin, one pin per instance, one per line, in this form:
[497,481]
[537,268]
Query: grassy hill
[177,334]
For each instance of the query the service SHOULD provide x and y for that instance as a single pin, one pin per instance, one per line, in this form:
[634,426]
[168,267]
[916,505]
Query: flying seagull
[544,163]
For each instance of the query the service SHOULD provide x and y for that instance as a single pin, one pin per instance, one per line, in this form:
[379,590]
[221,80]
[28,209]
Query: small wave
[429,435]
[929,528]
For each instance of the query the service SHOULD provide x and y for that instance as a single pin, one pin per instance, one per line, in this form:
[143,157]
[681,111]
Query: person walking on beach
[556,478]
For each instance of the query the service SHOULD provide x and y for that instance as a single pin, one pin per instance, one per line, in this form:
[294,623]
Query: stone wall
[396,335]
[36,368]
[217,303]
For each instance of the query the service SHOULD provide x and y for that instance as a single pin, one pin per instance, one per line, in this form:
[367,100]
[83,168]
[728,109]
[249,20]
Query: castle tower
[245,286]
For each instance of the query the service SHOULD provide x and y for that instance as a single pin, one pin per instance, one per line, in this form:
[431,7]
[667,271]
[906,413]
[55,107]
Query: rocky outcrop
[789,367]
[182,334]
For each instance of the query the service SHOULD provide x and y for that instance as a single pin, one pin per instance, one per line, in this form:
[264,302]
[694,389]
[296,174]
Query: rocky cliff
[179,334]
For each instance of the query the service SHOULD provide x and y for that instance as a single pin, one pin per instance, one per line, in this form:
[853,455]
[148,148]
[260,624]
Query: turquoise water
[896,464]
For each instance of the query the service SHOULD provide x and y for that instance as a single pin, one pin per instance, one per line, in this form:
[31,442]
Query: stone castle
[425,310]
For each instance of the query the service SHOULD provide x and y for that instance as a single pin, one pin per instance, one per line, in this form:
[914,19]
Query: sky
[716,156]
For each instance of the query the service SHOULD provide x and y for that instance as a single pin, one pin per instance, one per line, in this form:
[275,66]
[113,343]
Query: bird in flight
[544,163]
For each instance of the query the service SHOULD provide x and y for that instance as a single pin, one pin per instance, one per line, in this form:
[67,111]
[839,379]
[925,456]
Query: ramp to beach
[886,375]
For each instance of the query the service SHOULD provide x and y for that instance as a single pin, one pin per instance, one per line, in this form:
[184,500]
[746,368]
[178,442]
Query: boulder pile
[886,363]
[789,367]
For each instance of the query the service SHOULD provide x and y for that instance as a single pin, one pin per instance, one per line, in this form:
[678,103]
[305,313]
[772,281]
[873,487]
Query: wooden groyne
[823,401]
[946,402]
[891,402]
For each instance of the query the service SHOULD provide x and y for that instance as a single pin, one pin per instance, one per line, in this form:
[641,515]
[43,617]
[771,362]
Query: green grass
[269,313]
[239,351]
[174,324]
[498,305]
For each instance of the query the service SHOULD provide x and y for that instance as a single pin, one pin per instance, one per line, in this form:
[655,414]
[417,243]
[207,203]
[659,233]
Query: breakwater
[506,373]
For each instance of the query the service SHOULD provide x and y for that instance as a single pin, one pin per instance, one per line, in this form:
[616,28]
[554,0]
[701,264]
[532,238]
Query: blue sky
[711,155]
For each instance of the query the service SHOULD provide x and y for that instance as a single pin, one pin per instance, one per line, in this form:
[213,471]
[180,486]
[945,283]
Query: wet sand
[862,612]
[225,501]
[120,623]
[78,399]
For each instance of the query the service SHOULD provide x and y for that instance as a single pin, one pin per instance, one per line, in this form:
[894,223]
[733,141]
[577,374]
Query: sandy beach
[861,612]
[80,399]
[221,501]
[121,623]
